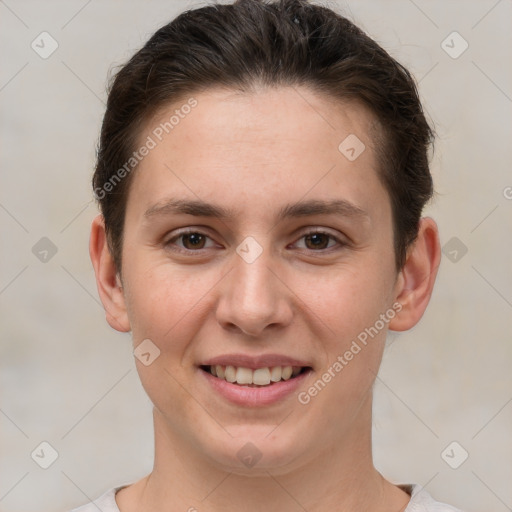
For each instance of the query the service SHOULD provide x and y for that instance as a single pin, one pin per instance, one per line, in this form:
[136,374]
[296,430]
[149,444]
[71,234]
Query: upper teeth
[260,377]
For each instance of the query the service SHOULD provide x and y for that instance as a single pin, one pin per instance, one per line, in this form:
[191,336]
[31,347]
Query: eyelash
[182,250]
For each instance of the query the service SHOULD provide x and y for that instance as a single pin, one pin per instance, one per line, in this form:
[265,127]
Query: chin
[256,450]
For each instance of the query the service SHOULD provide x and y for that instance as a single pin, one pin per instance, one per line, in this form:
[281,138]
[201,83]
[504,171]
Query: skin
[254,153]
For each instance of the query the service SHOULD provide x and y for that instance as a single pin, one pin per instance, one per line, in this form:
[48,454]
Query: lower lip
[254,397]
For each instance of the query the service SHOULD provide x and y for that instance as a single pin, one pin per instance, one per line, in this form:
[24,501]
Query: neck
[340,477]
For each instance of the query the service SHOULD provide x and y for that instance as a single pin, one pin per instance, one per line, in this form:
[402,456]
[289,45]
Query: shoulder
[106,502]
[421,501]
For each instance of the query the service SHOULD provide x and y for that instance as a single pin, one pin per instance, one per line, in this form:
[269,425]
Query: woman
[261,174]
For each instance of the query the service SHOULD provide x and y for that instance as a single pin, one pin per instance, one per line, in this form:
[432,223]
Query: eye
[194,241]
[319,240]
[191,241]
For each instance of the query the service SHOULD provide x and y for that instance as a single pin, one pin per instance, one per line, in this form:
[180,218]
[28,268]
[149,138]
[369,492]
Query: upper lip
[254,362]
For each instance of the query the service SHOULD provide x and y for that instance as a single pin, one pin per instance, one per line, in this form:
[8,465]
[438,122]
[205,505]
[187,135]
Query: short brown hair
[284,42]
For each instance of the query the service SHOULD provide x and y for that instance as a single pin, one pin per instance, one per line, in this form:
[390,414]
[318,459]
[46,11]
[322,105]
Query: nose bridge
[253,297]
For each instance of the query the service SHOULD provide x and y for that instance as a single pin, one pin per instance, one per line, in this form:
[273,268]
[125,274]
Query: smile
[249,381]
[259,377]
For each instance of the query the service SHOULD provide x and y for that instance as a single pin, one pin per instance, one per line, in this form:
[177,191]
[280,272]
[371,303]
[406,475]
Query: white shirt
[421,501]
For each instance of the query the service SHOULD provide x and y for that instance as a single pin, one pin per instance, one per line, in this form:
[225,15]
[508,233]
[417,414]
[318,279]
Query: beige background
[68,379]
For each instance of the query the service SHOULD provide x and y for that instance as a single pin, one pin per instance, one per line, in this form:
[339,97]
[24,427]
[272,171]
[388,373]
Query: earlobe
[416,280]
[107,279]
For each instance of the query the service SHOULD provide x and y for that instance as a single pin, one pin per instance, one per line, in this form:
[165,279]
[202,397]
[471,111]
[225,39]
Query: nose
[254,297]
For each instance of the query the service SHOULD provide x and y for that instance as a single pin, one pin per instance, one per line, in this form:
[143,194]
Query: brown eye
[189,242]
[193,240]
[317,241]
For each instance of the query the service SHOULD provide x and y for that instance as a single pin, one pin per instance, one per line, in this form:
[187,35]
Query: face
[278,254]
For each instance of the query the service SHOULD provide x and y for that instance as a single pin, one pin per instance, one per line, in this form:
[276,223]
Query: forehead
[239,145]
[274,116]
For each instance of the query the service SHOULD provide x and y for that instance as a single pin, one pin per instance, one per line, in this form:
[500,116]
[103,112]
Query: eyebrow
[201,208]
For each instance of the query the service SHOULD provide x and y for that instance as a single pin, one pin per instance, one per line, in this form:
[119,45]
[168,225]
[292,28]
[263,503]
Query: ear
[107,280]
[416,279]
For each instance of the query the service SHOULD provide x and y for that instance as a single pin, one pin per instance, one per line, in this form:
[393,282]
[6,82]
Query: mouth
[255,378]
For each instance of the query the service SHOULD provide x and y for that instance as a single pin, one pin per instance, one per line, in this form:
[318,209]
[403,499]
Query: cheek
[163,307]
[347,300]
[350,305]
[162,301]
